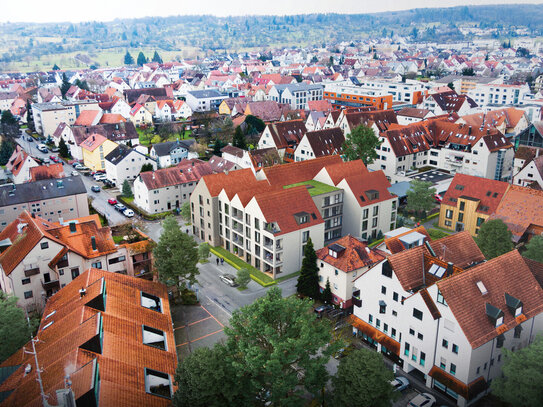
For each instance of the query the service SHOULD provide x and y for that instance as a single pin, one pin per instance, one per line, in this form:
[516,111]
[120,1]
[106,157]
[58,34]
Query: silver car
[228,279]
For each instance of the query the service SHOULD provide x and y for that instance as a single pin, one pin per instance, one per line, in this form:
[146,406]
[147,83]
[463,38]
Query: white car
[100,177]
[74,173]
[128,213]
[43,148]
[422,400]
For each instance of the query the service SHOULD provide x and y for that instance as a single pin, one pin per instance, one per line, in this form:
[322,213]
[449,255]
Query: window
[97,265]
[305,236]
[453,369]
[440,298]
[151,301]
[455,348]
[478,369]
[420,336]
[393,333]
[480,221]
[374,223]
[411,331]
[445,343]
[385,328]
[460,217]
[406,351]
[44,245]
[394,314]
[382,307]
[25,281]
[365,214]
[443,364]
[158,383]
[370,319]
[485,365]
[383,289]
[449,214]
[28,294]
[518,331]
[117,260]
[417,314]
[462,205]
[154,337]
[75,272]
[378,323]
[395,296]
[422,358]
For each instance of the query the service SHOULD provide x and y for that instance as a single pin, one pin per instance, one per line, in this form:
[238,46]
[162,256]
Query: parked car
[438,198]
[30,139]
[79,166]
[112,201]
[95,188]
[322,309]
[43,148]
[228,279]
[129,213]
[422,400]
[74,173]
[400,383]
[55,149]
[54,158]
[120,207]
[109,183]
[76,163]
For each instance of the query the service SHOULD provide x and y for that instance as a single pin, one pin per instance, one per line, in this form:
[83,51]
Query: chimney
[449,269]
[93,242]
[73,228]
[469,130]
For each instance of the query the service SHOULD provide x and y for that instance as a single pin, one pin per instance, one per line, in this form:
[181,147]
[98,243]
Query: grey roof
[207,93]
[298,86]
[400,189]
[112,131]
[120,153]
[11,194]
[48,106]
[164,149]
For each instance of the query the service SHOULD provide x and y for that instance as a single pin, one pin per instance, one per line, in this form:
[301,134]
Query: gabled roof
[86,118]
[164,149]
[369,188]
[115,132]
[468,303]
[112,118]
[187,171]
[292,173]
[476,188]
[119,153]
[219,164]
[40,190]
[355,254]
[131,95]
[381,118]
[42,172]
[287,133]
[16,161]
[93,142]
[510,116]
[413,112]
[96,344]
[266,110]
[239,179]
[326,141]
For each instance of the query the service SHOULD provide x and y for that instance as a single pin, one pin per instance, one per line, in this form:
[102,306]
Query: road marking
[219,305]
[201,337]
[200,320]
[212,316]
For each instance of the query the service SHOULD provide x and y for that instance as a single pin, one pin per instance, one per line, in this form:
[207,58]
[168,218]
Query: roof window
[494,314]
[482,288]
[47,325]
[158,383]
[154,337]
[514,305]
[151,301]
[459,187]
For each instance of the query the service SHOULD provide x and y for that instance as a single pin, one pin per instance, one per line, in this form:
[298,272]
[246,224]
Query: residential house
[529,167]
[319,143]
[167,189]
[413,115]
[532,136]
[95,334]
[140,116]
[378,120]
[124,163]
[163,111]
[341,262]
[47,117]
[448,102]
[42,172]
[205,100]
[266,110]
[95,148]
[118,106]
[19,165]
[284,136]
[170,152]
[296,95]
[52,199]
[181,109]
[88,118]
[237,156]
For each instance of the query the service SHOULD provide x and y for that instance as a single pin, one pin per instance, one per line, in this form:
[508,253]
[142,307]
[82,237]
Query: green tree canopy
[243,277]
[141,59]
[327,297]
[8,118]
[534,249]
[176,255]
[157,58]
[207,377]
[146,167]
[218,144]
[254,125]
[279,344]
[362,380]
[63,150]
[128,59]
[420,196]
[239,139]
[65,87]
[185,211]
[203,251]
[6,150]
[14,329]
[29,117]
[127,190]
[522,371]
[361,144]
[56,67]
[494,239]
[308,280]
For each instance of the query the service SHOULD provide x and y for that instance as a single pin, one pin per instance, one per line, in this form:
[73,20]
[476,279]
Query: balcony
[237,226]
[237,214]
[31,270]
[237,240]
[357,301]
[50,285]
[272,227]
[268,243]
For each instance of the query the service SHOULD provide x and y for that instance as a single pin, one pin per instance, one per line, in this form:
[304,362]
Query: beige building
[47,116]
[52,199]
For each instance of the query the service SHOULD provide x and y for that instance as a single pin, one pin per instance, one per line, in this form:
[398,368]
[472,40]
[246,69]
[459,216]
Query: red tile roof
[382,118]
[185,172]
[362,184]
[46,172]
[300,171]
[112,118]
[16,161]
[92,142]
[341,170]
[477,188]
[467,303]
[326,141]
[287,133]
[355,256]
[87,118]
[394,244]
[120,363]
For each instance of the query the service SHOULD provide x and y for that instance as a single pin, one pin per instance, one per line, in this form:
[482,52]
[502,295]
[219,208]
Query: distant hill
[27,46]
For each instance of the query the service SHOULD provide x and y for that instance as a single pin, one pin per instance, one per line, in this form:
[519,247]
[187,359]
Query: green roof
[314,187]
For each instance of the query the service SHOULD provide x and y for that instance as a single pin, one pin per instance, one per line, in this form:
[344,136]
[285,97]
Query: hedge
[148,216]
[258,276]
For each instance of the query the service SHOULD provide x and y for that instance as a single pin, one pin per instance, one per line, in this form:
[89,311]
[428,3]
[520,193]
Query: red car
[54,158]
[438,198]
[112,201]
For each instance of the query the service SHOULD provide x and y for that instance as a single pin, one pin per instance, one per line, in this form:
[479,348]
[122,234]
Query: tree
[8,118]
[451,85]
[127,190]
[29,117]
[185,211]
[327,297]
[279,344]
[157,58]
[330,61]
[6,150]
[494,239]
[363,380]
[176,255]
[522,370]
[141,59]
[420,197]
[14,329]
[147,167]
[207,377]
[63,149]
[239,139]
[534,249]
[468,72]
[308,281]
[65,87]
[361,144]
[218,144]
[243,277]
[56,67]
[203,251]
[128,59]
[254,125]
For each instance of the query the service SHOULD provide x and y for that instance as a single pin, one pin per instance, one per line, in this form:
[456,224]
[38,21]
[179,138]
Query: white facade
[162,199]
[498,94]
[128,168]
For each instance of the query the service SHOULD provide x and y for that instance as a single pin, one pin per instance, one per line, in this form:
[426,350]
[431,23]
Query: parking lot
[196,326]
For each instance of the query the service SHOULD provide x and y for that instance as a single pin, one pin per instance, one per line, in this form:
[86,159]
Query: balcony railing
[238,215]
[31,270]
[50,285]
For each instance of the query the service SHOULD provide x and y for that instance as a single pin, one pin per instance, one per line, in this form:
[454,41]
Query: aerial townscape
[272,208]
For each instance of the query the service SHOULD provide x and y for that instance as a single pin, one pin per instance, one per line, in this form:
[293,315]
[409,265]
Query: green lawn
[117,239]
[258,276]
[288,276]
[314,187]
[437,234]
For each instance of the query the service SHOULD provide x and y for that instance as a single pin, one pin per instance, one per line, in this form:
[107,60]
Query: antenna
[38,370]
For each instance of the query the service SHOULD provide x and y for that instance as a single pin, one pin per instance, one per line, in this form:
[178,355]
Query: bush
[203,251]
[243,277]
[188,297]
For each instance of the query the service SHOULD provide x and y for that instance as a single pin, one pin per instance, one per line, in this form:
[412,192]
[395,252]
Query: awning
[375,334]
[468,391]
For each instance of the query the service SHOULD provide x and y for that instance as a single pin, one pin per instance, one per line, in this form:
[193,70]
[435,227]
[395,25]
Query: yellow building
[469,202]
[95,148]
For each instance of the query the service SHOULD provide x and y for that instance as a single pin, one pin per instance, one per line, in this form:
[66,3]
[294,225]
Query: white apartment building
[125,163]
[205,100]
[443,312]
[296,95]
[400,91]
[498,94]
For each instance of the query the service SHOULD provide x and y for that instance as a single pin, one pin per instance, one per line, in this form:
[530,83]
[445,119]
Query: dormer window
[494,314]
[514,305]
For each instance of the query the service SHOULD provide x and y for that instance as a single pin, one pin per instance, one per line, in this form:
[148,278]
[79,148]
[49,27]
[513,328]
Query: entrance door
[459,227]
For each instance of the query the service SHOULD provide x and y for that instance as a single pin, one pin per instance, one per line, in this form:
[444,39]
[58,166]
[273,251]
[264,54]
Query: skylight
[437,270]
[482,287]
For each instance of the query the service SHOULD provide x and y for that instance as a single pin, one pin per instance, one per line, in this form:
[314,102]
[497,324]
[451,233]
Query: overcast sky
[106,10]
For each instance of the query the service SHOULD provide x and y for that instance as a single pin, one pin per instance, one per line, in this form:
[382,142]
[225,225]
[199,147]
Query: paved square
[195,326]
